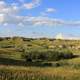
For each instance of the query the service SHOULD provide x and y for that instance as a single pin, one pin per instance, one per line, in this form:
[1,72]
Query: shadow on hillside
[76,56]
[7,61]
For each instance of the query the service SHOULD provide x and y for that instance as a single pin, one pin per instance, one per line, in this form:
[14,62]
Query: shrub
[47,55]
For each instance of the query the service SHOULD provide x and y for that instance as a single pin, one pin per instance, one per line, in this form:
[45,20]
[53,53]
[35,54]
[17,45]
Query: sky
[40,18]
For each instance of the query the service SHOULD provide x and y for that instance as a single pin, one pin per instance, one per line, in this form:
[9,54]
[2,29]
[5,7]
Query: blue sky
[40,18]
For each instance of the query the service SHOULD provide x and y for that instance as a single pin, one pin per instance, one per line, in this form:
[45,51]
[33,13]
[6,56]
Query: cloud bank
[35,21]
[9,15]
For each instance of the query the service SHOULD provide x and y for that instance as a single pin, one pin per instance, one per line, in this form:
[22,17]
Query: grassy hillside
[39,59]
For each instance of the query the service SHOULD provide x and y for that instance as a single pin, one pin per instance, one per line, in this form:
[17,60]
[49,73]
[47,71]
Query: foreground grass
[38,73]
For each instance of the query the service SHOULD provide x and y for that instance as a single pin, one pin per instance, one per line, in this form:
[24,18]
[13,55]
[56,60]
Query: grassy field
[38,73]
[14,67]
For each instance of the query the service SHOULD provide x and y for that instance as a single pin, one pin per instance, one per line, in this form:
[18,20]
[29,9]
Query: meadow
[39,59]
[38,73]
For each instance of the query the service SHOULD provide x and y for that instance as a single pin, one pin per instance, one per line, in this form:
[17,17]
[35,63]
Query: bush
[47,55]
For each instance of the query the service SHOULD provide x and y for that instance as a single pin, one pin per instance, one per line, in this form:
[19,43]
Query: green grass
[68,70]
[37,73]
[10,53]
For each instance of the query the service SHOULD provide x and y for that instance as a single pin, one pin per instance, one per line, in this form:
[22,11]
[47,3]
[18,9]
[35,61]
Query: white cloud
[28,6]
[8,9]
[2,18]
[67,36]
[50,10]
[32,4]
[35,21]
[2,4]
[59,36]
[5,24]
[8,15]
[14,8]
[47,11]
[46,21]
